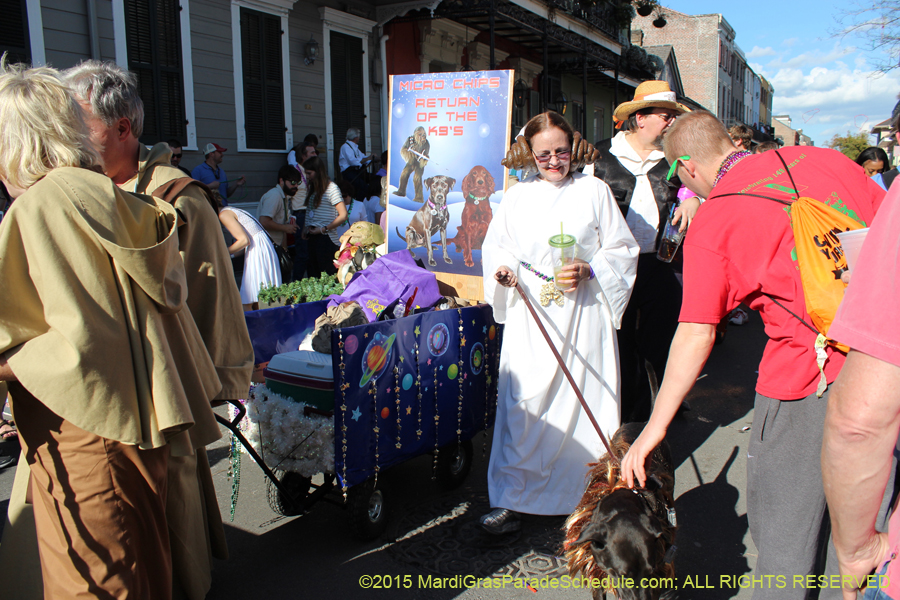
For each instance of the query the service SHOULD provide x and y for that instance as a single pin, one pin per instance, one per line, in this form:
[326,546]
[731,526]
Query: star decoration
[484,329]
[419,432]
[429,361]
[345,386]
[409,410]
[488,379]
[402,359]
[356,414]
[473,322]
[405,332]
[416,330]
[441,368]
[366,334]
[462,342]
[465,375]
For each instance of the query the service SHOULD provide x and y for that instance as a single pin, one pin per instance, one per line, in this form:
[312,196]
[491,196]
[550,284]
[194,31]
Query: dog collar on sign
[476,200]
[433,206]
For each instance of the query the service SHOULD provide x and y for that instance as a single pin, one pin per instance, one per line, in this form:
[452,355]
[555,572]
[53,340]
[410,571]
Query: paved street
[432,535]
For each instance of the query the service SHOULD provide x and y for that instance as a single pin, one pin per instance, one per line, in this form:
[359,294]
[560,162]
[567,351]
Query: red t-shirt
[739,249]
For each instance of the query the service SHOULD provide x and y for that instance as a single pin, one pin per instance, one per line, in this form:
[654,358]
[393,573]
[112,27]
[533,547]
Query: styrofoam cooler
[304,376]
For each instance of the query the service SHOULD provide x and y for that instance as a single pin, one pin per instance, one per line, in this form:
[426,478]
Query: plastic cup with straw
[563,246]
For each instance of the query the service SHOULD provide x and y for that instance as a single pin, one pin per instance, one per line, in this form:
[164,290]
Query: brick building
[784,132]
[713,67]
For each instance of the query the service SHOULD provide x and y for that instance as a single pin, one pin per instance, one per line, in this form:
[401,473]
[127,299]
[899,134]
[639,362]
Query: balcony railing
[599,16]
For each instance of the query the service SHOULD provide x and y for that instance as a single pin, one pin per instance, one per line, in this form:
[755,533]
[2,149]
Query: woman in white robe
[543,439]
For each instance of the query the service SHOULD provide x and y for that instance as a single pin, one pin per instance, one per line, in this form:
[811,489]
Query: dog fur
[477,188]
[433,217]
[618,532]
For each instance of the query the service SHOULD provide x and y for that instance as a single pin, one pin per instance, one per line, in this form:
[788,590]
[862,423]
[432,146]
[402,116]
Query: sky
[827,84]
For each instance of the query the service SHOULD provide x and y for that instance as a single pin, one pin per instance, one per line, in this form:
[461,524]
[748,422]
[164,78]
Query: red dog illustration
[477,188]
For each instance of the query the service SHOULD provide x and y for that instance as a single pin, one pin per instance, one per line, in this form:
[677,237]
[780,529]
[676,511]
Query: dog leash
[568,375]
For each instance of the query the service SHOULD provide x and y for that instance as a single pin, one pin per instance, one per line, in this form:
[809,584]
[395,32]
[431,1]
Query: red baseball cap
[213,147]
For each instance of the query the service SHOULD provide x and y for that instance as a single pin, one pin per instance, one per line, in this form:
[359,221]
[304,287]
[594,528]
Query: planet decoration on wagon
[376,357]
[438,340]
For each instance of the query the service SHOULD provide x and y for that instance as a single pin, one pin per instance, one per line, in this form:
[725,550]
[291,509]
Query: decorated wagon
[394,390]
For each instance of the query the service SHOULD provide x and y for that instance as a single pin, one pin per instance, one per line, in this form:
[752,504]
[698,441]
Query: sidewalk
[433,548]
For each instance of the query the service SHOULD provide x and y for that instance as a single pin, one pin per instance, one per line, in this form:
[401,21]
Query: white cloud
[824,101]
[757,52]
[814,57]
[790,42]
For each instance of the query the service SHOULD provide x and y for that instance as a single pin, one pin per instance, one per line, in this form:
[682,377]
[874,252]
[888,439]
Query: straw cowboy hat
[648,94]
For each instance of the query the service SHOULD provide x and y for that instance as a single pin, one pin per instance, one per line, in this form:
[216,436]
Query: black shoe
[7,461]
[500,521]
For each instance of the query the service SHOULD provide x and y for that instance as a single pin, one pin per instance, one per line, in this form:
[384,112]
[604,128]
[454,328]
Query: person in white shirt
[633,165]
[274,211]
[351,162]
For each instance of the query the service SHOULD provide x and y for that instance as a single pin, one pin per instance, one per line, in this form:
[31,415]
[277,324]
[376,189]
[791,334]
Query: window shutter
[153,35]
[14,31]
[347,93]
[263,83]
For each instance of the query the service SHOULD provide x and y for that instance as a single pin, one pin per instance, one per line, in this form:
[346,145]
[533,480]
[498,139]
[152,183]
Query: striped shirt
[326,211]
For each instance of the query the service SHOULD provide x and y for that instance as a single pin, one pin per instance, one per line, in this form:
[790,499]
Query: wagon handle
[232,426]
[568,375]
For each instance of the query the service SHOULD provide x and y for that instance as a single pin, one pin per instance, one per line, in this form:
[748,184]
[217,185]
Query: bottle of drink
[671,238]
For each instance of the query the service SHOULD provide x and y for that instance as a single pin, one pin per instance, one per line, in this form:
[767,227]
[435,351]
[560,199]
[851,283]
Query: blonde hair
[698,134]
[43,125]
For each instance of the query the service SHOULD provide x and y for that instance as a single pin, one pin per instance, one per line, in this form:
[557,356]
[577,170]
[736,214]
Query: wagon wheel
[368,510]
[454,464]
[297,485]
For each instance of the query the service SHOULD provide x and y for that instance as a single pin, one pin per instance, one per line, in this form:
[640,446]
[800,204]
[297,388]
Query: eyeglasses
[674,166]
[179,155]
[294,183]
[667,117]
[561,156]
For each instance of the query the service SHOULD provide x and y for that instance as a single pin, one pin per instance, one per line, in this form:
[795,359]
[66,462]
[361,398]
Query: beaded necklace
[549,291]
[730,160]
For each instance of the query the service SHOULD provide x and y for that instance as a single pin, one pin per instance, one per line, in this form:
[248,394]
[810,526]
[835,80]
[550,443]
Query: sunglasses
[674,166]
[177,155]
[667,117]
[294,183]
[545,157]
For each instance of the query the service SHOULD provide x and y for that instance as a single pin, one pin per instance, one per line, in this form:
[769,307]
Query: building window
[263,84]
[14,31]
[153,35]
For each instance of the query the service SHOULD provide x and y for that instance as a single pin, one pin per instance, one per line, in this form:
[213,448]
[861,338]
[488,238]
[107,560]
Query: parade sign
[448,134]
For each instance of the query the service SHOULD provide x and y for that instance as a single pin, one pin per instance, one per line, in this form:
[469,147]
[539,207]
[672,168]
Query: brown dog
[477,188]
[432,218]
[617,532]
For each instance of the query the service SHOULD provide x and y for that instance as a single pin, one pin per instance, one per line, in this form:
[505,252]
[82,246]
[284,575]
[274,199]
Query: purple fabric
[394,275]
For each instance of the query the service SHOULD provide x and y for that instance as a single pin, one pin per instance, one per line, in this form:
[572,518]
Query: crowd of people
[115,267]
[739,249]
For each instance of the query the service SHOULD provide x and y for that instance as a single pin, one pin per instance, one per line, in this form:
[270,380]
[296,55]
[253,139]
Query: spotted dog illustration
[477,188]
[432,218]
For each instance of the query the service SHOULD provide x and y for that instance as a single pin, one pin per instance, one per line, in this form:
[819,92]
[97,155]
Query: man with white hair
[351,162]
[114,110]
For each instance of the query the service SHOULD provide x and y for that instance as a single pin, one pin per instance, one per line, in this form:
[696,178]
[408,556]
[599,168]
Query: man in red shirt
[740,248]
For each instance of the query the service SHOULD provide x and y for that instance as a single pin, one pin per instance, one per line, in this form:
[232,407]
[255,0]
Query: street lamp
[311,51]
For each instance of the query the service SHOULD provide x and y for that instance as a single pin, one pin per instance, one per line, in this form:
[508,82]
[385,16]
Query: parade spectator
[261,267]
[741,249]
[863,419]
[765,147]
[325,212]
[274,210]
[115,112]
[382,171]
[875,162]
[177,155]
[860,443]
[356,210]
[373,202]
[351,162]
[742,136]
[298,205]
[210,173]
[92,286]
[633,165]
[542,437]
